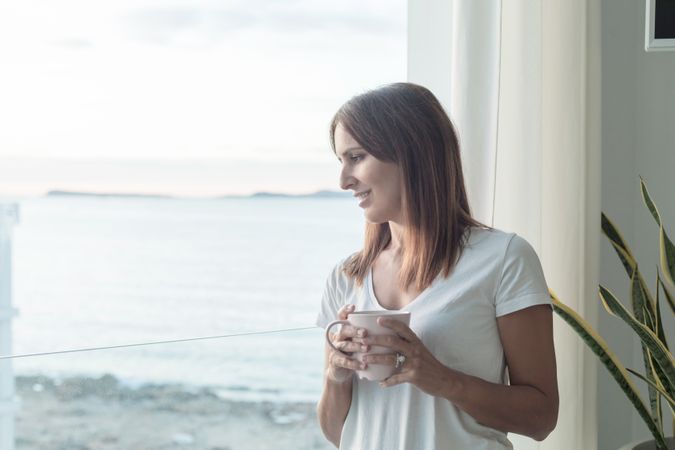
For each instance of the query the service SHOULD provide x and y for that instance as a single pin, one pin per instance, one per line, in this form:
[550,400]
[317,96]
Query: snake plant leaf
[669,297]
[667,253]
[643,311]
[654,370]
[653,385]
[648,201]
[625,255]
[629,263]
[659,323]
[643,315]
[659,376]
[598,346]
[619,243]
[667,249]
[656,347]
[649,303]
[649,322]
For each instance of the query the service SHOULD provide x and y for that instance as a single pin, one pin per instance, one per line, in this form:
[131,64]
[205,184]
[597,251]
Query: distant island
[102,194]
[318,194]
[321,194]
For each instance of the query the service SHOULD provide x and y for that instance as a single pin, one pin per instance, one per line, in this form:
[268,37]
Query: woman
[478,298]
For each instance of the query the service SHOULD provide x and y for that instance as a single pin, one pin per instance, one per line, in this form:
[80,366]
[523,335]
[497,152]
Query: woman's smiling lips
[362,197]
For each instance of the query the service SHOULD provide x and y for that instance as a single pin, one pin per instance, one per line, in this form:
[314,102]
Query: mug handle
[329,326]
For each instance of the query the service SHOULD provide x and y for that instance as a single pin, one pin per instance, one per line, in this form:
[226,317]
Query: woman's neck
[394,246]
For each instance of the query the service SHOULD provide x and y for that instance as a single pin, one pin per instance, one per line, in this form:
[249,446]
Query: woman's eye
[355,157]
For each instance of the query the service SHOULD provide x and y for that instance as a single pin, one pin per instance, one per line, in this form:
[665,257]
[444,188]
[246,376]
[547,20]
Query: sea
[91,272]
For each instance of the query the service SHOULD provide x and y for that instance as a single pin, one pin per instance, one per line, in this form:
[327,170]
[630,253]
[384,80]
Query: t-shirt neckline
[424,293]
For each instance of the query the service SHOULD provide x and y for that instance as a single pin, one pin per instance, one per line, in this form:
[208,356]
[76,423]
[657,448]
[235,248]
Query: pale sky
[130,83]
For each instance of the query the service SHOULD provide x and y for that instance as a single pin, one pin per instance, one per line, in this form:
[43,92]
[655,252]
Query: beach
[80,413]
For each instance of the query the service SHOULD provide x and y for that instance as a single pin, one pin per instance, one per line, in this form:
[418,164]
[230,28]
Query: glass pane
[110,271]
[206,106]
[231,393]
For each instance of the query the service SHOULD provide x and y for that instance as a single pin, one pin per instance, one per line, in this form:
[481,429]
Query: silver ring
[400,360]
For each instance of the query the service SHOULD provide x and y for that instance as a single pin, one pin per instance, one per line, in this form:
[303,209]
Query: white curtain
[521,81]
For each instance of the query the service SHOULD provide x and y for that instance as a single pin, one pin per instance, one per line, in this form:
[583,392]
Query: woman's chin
[372,218]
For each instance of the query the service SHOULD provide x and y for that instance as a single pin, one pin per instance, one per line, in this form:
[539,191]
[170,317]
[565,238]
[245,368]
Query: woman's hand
[421,368]
[341,366]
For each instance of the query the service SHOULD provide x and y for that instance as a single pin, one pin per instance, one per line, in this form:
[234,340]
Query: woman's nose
[346,179]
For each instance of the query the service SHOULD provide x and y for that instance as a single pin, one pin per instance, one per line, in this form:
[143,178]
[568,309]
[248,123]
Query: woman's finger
[386,359]
[351,346]
[350,363]
[346,331]
[400,328]
[349,331]
[390,341]
[345,311]
[341,361]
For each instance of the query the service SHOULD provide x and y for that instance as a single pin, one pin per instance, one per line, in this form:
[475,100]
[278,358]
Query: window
[146,144]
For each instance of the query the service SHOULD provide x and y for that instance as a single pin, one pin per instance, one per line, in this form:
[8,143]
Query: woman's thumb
[345,310]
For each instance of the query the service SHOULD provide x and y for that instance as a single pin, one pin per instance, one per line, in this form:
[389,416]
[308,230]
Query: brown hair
[405,124]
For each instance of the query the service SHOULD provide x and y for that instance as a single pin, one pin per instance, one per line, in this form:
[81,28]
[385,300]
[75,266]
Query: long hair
[405,124]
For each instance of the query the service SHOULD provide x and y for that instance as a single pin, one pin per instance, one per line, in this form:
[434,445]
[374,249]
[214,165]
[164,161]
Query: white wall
[638,138]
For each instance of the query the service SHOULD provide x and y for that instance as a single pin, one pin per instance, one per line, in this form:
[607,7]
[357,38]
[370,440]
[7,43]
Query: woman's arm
[338,369]
[529,405]
[334,405]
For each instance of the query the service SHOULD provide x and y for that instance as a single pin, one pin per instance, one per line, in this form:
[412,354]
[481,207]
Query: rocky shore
[103,414]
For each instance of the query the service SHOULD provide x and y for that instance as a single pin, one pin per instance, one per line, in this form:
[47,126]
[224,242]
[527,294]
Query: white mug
[368,320]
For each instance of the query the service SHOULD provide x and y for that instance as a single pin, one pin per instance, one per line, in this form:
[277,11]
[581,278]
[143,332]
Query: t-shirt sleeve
[332,298]
[522,283]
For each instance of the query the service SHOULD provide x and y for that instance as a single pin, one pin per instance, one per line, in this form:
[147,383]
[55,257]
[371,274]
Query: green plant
[645,321]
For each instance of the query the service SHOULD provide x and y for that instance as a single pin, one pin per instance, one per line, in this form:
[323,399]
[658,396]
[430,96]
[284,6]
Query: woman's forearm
[333,408]
[516,409]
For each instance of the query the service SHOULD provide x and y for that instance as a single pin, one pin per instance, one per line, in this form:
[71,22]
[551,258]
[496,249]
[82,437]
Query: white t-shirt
[497,274]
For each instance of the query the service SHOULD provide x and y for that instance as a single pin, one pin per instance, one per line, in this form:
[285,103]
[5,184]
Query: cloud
[74,43]
[162,25]
[258,80]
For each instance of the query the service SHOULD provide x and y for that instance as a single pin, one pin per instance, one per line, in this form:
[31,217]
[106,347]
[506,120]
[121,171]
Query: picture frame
[659,25]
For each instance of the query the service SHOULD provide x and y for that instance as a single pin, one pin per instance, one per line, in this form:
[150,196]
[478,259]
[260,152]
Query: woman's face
[361,172]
